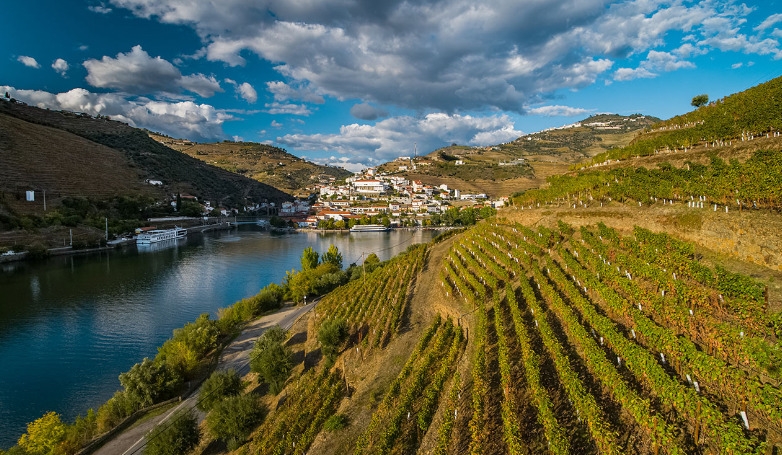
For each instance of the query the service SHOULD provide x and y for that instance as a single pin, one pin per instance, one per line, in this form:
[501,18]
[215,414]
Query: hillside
[151,159]
[264,163]
[526,162]
[98,168]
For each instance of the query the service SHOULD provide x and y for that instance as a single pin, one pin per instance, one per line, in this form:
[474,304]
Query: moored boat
[369,228]
[159,235]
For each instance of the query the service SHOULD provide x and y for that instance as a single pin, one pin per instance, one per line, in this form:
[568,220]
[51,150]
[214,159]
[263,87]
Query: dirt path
[235,356]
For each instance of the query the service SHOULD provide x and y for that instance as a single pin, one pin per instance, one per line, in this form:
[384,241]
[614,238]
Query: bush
[189,345]
[336,422]
[331,334]
[220,385]
[178,438]
[272,359]
[232,419]
[113,411]
[148,382]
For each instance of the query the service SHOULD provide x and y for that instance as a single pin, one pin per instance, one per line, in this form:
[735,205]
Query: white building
[369,187]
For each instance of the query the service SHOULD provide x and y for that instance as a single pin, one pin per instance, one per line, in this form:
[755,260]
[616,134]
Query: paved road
[235,356]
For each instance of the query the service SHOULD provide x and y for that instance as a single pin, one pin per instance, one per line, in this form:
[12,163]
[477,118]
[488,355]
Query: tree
[177,438]
[371,263]
[309,258]
[220,385]
[147,382]
[331,334]
[699,100]
[333,256]
[233,419]
[43,435]
[271,359]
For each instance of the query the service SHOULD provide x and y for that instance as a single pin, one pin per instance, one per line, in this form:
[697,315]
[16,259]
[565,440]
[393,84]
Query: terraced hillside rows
[588,342]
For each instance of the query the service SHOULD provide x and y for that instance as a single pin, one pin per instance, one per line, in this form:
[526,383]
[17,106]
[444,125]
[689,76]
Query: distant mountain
[74,154]
[267,164]
[502,169]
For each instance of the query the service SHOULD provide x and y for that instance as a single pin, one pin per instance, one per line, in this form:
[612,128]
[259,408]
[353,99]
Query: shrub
[148,382]
[336,422]
[178,438]
[220,385]
[272,359]
[232,419]
[331,334]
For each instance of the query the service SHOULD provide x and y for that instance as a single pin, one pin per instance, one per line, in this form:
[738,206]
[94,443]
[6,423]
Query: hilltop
[524,163]
[265,163]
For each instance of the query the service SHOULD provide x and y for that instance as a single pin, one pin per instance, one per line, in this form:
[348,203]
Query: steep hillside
[147,158]
[267,164]
[525,162]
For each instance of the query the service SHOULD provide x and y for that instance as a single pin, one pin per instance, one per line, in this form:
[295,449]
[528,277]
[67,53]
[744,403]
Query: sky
[357,83]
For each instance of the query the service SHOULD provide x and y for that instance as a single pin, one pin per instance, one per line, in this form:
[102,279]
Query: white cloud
[769,22]
[179,119]
[28,61]
[655,63]
[247,92]
[395,136]
[100,9]
[556,111]
[61,66]
[139,73]
[276,124]
[285,92]
[287,108]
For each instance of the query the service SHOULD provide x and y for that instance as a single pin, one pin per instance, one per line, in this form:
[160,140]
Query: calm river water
[70,325]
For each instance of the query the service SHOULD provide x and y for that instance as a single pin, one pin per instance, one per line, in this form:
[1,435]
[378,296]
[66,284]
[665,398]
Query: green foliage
[336,422]
[44,435]
[271,359]
[699,100]
[333,256]
[189,345]
[233,419]
[331,335]
[178,438]
[148,382]
[113,411]
[319,280]
[81,432]
[309,258]
[220,385]
[268,298]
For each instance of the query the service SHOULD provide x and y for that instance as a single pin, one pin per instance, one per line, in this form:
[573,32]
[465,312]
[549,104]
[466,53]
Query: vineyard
[583,346]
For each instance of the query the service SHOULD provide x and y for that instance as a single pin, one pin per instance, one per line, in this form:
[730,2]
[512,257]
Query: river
[70,325]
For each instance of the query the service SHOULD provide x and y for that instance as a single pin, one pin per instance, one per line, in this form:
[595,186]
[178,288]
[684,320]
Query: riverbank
[110,245]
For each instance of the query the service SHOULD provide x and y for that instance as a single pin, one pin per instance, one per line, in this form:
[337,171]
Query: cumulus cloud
[187,119]
[300,92]
[61,66]
[139,73]
[395,136]
[453,55]
[244,90]
[28,61]
[655,63]
[557,111]
[287,108]
[366,111]
[769,22]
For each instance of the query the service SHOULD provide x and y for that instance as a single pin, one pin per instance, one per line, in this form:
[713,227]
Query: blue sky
[357,83]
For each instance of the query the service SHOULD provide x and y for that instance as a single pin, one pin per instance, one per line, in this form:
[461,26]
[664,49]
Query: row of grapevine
[408,407]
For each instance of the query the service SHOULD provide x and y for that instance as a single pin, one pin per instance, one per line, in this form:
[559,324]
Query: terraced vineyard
[589,342]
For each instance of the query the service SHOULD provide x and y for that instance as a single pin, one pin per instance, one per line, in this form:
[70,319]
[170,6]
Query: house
[369,187]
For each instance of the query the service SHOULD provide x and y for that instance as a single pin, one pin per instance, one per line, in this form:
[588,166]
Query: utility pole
[107,229]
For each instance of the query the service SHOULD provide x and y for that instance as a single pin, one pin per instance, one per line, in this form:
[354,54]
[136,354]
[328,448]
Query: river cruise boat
[368,228]
[160,235]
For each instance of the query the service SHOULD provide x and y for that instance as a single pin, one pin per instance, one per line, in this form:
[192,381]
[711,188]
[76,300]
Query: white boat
[368,228]
[159,235]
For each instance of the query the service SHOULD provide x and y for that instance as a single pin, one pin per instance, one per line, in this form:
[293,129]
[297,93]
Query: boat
[159,235]
[369,228]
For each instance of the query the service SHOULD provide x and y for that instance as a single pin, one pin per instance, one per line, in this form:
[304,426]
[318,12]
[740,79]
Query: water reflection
[69,325]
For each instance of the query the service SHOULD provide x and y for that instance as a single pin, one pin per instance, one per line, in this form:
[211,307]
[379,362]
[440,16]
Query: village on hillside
[371,197]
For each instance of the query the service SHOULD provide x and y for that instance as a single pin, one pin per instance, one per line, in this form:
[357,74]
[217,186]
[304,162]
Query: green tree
[147,382]
[233,419]
[44,435]
[371,263]
[309,258]
[177,438]
[220,385]
[271,359]
[333,256]
[331,334]
[699,100]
